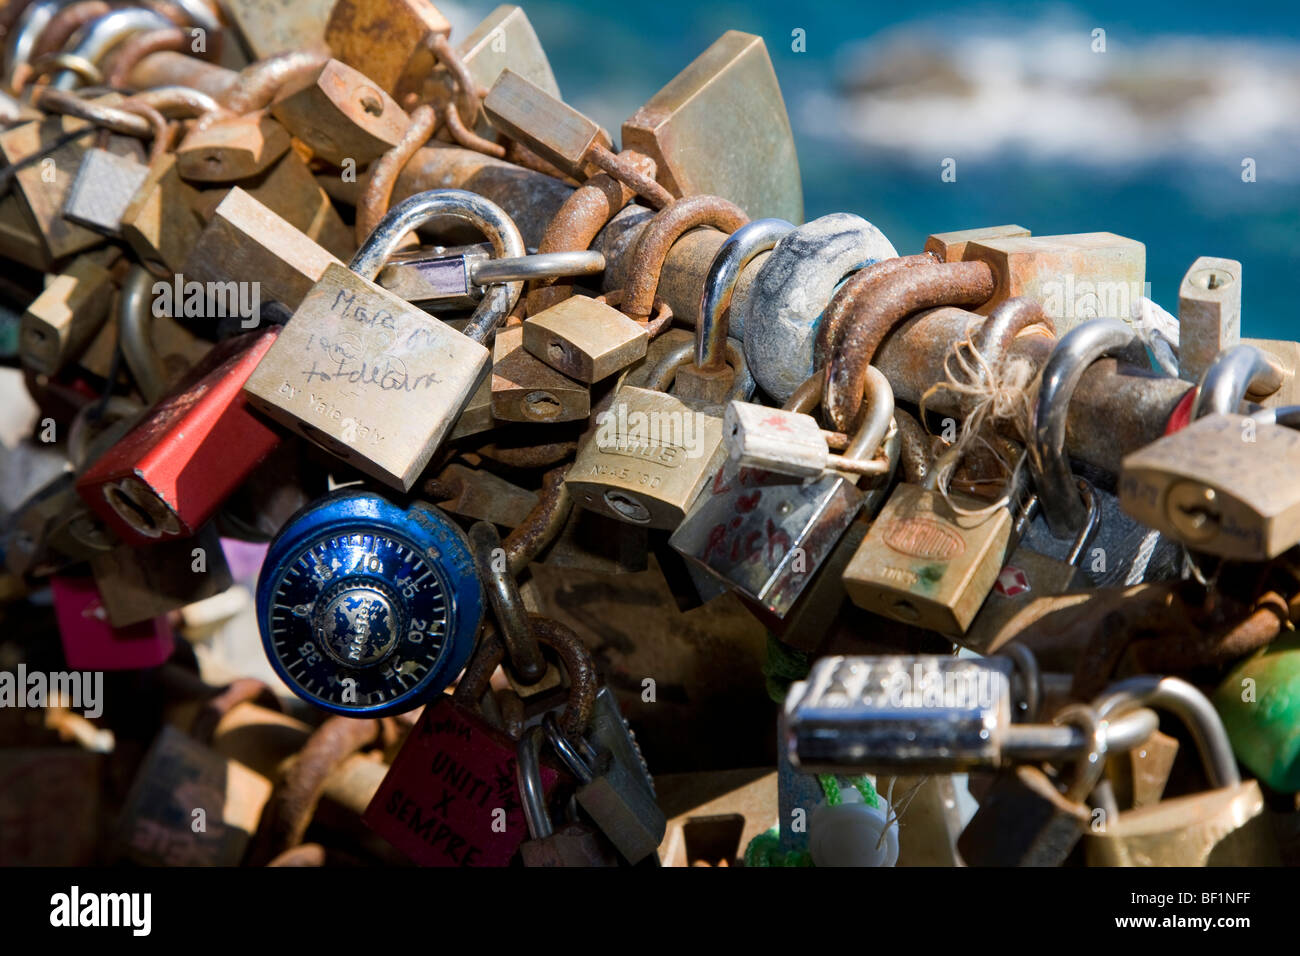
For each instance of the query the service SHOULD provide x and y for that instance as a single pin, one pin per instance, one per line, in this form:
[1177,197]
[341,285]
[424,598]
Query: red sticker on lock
[90,643]
[1011,582]
[450,797]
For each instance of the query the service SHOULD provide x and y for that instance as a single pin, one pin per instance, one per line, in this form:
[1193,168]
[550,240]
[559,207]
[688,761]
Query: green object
[1260,706]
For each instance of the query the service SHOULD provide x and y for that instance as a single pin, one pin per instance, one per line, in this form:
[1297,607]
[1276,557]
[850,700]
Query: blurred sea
[1146,139]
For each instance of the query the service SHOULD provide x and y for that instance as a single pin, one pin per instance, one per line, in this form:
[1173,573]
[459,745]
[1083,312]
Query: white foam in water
[1042,92]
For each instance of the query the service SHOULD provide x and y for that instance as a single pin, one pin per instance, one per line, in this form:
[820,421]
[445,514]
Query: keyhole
[371,103]
[542,405]
[133,513]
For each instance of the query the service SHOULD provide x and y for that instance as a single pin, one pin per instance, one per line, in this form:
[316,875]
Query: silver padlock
[457,277]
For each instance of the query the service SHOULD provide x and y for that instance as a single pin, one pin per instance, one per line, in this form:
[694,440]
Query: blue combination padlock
[367,609]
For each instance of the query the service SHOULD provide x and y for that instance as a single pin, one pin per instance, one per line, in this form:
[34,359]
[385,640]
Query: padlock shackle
[1059,497]
[568,754]
[877,416]
[996,334]
[487,216]
[1226,380]
[93,41]
[528,777]
[134,315]
[26,31]
[522,648]
[736,252]
[1188,704]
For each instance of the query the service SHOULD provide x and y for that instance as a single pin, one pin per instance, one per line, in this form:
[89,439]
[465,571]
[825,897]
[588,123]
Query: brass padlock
[585,338]
[1225,826]
[244,238]
[1224,485]
[929,560]
[526,389]
[276,27]
[1095,275]
[728,94]
[368,376]
[1209,314]
[63,319]
[951,246]
[388,40]
[653,453]
[160,222]
[341,114]
[545,124]
[230,148]
[137,584]
[103,188]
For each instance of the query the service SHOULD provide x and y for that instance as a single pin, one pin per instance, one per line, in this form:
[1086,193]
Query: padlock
[652,453]
[929,560]
[1256,702]
[526,389]
[245,238]
[1124,551]
[451,796]
[611,794]
[548,126]
[62,320]
[791,291]
[1224,826]
[189,806]
[137,584]
[1024,820]
[388,41]
[679,125]
[340,114]
[573,844]
[585,338]
[766,535]
[479,494]
[1234,374]
[231,148]
[1224,485]
[103,189]
[504,39]
[1026,575]
[1094,275]
[369,350]
[270,28]
[951,246]
[168,476]
[160,222]
[43,200]
[365,608]
[288,188]
[91,643]
[1209,314]
[100,35]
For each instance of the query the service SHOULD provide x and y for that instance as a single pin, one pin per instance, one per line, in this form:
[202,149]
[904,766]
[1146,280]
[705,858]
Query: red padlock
[451,797]
[167,476]
[90,643]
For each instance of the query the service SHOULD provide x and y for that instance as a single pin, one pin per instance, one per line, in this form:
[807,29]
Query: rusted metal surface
[245,690]
[167,68]
[466,137]
[468,95]
[659,320]
[543,523]
[136,47]
[846,302]
[177,102]
[522,649]
[573,656]
[109,117]
[294,802]
[884,306]
[914,456]
[576,223]
[627,170]
[259,82]
[162,132]
[657,239]
[384,173]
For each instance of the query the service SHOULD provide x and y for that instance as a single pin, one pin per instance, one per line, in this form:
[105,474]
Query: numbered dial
[373,616]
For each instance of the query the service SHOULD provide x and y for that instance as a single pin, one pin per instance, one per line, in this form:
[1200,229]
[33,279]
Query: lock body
[366,609]
[170,473]
[91,643]
[649,458]
[368,377]
[923,563]
[450,797]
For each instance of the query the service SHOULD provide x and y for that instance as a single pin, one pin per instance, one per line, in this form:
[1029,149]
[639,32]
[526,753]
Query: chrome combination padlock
[367,609]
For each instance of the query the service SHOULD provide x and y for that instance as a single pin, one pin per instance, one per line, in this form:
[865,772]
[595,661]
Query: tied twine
[995,391]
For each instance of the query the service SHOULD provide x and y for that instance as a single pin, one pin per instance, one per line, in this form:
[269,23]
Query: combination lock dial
[366,609]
